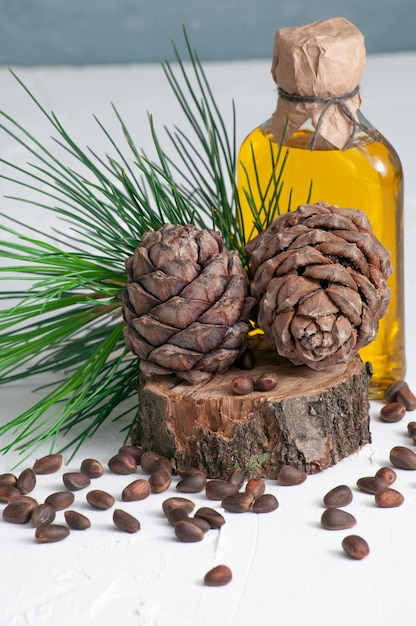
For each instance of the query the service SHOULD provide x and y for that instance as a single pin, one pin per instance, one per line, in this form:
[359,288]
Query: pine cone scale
[343,330]
[174,358]
[281,334]
[367,330]
[140,300]
[290,292]
[151,330]
[349,254]
[211,282]
[294,260]
[332,273]
[329,221]
[383,290]
[218,360]
[179,312]
[183,269]
[209,244]
[205,289]
[315,305]
[308,237]
[373,250]
[347,301]
[136,343]
[162,286]
[139,264]
[199,337]
[234,336]
[228,307]
[150,368]
[326,322]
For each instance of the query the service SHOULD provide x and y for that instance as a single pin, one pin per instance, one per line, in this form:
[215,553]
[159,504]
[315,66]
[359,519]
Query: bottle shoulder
[367,138]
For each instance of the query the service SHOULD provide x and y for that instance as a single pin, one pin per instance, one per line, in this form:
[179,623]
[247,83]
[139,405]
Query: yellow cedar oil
[367,176]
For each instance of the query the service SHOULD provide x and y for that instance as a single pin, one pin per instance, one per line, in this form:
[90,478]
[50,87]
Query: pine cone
[319,276]
[186,303]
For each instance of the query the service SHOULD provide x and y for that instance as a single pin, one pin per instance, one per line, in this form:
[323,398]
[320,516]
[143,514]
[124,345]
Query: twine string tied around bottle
[338,101]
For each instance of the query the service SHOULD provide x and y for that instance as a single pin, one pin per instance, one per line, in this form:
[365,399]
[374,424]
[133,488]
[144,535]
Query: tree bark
[311,420]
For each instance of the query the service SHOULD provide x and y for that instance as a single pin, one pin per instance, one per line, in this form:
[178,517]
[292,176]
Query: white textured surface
[286,568]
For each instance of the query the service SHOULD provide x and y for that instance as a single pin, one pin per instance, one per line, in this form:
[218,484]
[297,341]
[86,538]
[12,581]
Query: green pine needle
[66,316]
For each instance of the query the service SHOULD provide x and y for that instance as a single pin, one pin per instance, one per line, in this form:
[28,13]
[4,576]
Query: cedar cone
[186,303]
[319,276]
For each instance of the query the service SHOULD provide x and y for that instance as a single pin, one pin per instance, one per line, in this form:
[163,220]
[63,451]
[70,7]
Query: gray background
[76,32]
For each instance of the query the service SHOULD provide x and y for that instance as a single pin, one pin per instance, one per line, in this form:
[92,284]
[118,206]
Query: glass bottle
[360,170]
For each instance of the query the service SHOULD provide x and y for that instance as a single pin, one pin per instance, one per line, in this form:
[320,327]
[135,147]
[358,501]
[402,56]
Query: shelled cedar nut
[28,499]
[290,476]
[372,484]
[407,398]
[160,480]
[134,451]
[122,463]
[177,503]
[74,481]
[218,489]
[42,514]
[17,512]
[391,391]
[242,385]
[237,477]
[337,519]
[387,473]
[403,458]
[266,382]
[238,502]
[51,533]
[339,496]
[411,429]
[176,515]
[163,463]
[137,490]
[201,523]
[60,500]
[125,521]
[355,547]
[48,464]
[76,520]
[393,412]
[8,480]
[26,481]
[7,492]
[187,532]
[213,517]
[92,468]
[193,482]
[100,499]
[265,503]
[148,460]
[218,576]
[255,486]
[187,470]
[388,498]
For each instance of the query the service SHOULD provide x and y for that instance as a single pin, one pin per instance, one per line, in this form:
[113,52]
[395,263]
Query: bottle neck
[333,117]
[307,138]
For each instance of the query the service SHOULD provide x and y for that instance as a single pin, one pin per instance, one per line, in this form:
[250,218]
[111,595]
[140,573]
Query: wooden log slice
[311,420]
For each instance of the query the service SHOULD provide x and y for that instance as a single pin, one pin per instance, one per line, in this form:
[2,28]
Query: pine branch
[68,320]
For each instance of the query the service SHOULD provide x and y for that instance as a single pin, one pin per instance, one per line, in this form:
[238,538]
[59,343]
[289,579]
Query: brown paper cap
[322,59]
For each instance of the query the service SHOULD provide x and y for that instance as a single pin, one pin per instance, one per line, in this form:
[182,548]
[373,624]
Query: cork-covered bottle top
[324,59]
